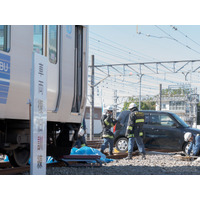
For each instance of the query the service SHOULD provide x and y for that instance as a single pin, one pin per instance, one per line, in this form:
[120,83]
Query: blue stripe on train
[3,101]
[4,57]
[3,95]
[4,83]
[4,66]
[5,76]
[4,88]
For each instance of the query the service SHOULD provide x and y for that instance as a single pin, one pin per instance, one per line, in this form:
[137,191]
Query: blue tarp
[49,160]
[90,151]
[75,151]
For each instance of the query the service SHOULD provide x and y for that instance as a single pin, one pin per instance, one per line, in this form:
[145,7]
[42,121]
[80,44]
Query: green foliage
[174,92]
[147,104]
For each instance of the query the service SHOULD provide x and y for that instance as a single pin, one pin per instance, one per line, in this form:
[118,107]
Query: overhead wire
[117,48]
[117,56]
[176,40]
[176,29]
[147,56]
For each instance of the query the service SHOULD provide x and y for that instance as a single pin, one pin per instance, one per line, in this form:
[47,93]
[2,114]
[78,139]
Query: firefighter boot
[111,153]
[129,157]
[102,151]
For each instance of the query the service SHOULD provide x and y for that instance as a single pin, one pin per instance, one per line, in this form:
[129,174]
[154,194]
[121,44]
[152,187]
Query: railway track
[7,169]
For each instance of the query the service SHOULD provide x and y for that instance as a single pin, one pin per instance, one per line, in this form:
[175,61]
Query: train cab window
[5,38]
[53,33]
[38,39]
[78,69]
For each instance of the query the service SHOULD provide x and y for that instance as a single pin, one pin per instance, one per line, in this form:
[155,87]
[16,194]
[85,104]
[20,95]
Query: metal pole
[160,96]
[140,94]
[115,104]
[92,100]
[140,76]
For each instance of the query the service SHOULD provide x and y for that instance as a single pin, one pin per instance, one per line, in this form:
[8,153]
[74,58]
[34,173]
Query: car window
[162,120]
[146,118]
[167,121]
[154,119]
[123,117]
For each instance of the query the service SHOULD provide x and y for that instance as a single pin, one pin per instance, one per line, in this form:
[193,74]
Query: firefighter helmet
[132,105]
[109,108]
[187,136]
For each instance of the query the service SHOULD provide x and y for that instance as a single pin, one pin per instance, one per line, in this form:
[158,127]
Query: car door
[150,138]
[163,132]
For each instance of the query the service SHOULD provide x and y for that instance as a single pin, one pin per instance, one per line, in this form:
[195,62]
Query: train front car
[67,50]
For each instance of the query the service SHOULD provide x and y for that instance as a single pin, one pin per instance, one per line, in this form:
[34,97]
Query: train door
[78,69]
[46,42]
[53,66]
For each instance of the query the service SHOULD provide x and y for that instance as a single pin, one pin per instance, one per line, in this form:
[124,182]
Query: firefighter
[194,140]
[81,136]
[108,122]
[134,131]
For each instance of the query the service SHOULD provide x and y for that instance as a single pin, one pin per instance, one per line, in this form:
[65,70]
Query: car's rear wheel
[122,144]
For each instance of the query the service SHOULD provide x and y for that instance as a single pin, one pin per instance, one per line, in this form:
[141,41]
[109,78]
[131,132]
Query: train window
[53,32]
[38,39]
[78,69]
[5,38]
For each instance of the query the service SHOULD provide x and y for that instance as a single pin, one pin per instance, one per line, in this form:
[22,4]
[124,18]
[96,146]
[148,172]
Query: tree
[174,92]
[146,104]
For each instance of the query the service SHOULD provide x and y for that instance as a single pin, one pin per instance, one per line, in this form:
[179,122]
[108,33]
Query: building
[181,100]
[97,120]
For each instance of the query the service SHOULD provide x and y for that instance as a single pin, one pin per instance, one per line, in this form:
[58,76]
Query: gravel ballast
[155,164]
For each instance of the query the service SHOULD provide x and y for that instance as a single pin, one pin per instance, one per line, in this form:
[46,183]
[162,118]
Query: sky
[117,44]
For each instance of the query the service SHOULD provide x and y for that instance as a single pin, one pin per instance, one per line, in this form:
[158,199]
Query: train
[66,49]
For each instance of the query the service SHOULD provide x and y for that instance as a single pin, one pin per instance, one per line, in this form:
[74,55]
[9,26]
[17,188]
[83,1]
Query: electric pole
[92,101]
[160,96]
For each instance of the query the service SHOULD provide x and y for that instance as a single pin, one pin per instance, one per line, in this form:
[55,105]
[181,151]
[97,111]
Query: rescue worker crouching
[134,131]
[194,140]
[108,122]
[81,142]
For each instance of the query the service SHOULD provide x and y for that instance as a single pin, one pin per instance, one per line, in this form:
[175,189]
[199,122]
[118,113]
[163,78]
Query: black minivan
[162,130]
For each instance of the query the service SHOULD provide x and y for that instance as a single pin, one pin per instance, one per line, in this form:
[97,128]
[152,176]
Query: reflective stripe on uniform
[106,122]
[131,135]
[141,134]
[129,128]
[83,145]
[139,120]
[109,136]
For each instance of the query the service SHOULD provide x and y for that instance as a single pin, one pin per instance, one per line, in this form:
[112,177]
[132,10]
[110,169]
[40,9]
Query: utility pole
[115,104]
[140,77]
[160,96]
[92,100]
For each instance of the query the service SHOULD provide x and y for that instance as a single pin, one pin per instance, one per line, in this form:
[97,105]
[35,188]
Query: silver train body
[66,48]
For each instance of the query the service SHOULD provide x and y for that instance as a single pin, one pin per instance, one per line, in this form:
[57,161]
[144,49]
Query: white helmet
[109,108]
[187,136]
[132,105]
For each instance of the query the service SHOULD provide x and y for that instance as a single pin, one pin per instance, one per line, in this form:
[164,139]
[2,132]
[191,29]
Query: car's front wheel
[122,144]
[186,147]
